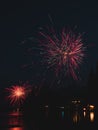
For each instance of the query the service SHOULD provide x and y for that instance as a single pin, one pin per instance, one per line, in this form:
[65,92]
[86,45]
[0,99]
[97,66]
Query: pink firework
[17,94]
[64,52]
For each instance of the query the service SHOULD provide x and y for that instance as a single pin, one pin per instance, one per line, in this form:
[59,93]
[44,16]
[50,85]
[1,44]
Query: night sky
[20,20]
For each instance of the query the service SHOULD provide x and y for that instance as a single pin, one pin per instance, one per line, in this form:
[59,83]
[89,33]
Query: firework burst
[63,52]
[17,94]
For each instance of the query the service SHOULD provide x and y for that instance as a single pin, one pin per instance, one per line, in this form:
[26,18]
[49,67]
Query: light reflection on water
[84,114]
[92,115]
[62,114]
[16,128]
[76,117]
[15,119]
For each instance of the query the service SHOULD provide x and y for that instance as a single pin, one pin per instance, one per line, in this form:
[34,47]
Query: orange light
[91,107]
[91,116]
[16,128]
[19,92]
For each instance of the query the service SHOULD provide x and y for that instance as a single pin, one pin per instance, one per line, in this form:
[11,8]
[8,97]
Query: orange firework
[17,94]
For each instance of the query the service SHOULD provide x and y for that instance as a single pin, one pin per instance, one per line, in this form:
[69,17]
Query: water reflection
[92,116]
[84,113]
[76,117]
[89,113]
[15,121]
[57,117]
[16,128]
[62,114]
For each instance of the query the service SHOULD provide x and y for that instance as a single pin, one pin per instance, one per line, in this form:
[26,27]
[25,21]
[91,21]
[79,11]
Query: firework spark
[17,94]
[64,52]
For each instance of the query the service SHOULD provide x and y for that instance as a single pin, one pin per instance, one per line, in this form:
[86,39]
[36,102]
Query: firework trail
[64,52]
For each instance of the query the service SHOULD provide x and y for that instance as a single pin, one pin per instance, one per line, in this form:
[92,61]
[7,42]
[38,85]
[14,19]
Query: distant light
[60,107]
[91,107]
[84,109]
[46,106]
[76,101]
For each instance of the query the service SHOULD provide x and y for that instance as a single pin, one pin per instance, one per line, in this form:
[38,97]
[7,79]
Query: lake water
[59,118]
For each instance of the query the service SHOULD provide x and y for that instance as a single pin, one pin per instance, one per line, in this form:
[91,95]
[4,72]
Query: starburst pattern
[63,52]
[17,94]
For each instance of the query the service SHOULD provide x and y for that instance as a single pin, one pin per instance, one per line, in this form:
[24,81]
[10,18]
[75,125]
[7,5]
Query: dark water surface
[60,118]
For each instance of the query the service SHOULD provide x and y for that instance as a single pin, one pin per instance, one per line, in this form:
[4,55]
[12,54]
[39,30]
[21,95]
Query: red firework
[64,52]
[17,94]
